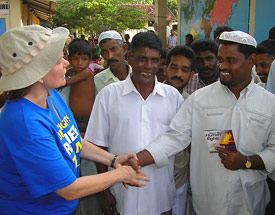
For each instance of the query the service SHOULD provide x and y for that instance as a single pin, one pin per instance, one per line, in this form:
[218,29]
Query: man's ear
[129,54]
[191,75]
[125,48]
[251,60]
[165,69]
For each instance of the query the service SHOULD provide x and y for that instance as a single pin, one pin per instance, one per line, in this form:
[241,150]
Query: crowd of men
[159,103]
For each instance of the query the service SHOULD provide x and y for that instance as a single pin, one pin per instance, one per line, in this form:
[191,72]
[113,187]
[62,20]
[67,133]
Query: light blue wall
[264,19]
[2,26]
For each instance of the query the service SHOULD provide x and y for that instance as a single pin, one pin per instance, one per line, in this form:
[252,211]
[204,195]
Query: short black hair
[271,33]
[221,29]
[190,36]
[164,52]
[204,44]
[146,39]
[266,47]
[181,50]
[247,50]
[80,46]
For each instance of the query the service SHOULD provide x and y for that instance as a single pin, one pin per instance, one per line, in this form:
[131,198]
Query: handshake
[129,169]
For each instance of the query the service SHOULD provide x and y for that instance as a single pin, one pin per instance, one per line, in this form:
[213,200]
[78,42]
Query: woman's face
[56,77]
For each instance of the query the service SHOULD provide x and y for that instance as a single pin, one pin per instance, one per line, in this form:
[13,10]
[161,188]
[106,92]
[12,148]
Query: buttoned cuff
[268,159]
[160,158]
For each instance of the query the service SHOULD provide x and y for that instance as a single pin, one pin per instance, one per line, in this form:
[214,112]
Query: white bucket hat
[28,53]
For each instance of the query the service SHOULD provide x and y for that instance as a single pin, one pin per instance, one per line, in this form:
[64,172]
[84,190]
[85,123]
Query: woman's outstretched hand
[131,177]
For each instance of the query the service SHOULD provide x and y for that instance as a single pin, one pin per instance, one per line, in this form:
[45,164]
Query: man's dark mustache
[177,78]
[206,68]
[112,60]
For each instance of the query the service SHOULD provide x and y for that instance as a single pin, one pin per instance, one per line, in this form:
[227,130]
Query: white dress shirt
[215,189]
[126,123]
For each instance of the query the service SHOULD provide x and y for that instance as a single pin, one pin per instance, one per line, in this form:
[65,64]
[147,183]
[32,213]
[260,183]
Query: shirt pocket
[214,111]
[214,117]
[257,125]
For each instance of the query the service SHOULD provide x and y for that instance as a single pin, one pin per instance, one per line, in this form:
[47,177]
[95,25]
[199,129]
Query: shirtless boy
[81,80]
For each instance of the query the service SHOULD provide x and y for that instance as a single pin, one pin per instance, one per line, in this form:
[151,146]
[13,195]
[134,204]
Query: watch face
[248,164]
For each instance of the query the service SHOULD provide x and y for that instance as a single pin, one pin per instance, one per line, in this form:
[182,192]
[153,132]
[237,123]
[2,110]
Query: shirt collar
[246,90]
[110,75]
[130,87]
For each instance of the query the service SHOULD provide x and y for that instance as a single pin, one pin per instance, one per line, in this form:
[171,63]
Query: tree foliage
[95,16]
[172,4]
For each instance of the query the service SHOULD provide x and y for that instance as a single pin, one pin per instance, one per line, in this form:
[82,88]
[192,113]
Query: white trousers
[180,200]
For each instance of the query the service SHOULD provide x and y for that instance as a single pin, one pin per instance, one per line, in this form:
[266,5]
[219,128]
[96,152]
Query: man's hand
[231,160]
[108,203]
[129,159]
[133,163]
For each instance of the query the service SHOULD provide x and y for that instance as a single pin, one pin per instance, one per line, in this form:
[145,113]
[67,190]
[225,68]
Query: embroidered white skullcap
[238,37]
[109,35]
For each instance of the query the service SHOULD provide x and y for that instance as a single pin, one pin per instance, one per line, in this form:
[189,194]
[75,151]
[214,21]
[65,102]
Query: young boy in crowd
[94,66]
[81,80]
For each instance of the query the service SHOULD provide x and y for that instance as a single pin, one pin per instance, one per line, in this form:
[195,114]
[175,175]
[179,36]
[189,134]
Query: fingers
[137,183]
[231,160]
[142,176]
[134,156]
[132,177]
[125,185]
[124,159]
[134,164]
[223,150]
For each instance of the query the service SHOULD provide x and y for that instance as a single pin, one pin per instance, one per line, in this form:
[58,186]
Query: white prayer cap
[238,37]
[109,35]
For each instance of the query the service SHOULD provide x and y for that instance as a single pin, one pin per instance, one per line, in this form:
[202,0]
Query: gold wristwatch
[248,163]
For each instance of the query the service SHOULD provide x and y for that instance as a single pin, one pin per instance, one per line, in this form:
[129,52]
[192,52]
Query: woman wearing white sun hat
[39,140]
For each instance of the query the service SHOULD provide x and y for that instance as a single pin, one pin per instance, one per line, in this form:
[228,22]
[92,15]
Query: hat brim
[39,66]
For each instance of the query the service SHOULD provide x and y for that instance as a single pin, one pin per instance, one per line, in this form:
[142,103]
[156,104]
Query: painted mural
[264,19]
[202,17]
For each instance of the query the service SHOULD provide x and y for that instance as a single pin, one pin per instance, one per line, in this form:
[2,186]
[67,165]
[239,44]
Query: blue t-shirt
[38,155]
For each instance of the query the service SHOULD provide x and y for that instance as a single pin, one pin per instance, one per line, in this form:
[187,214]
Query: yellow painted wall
[15,13]
[19,15]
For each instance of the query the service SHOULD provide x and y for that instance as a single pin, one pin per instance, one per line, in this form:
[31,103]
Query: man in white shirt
[171,40]
[228,182]
[129,115]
